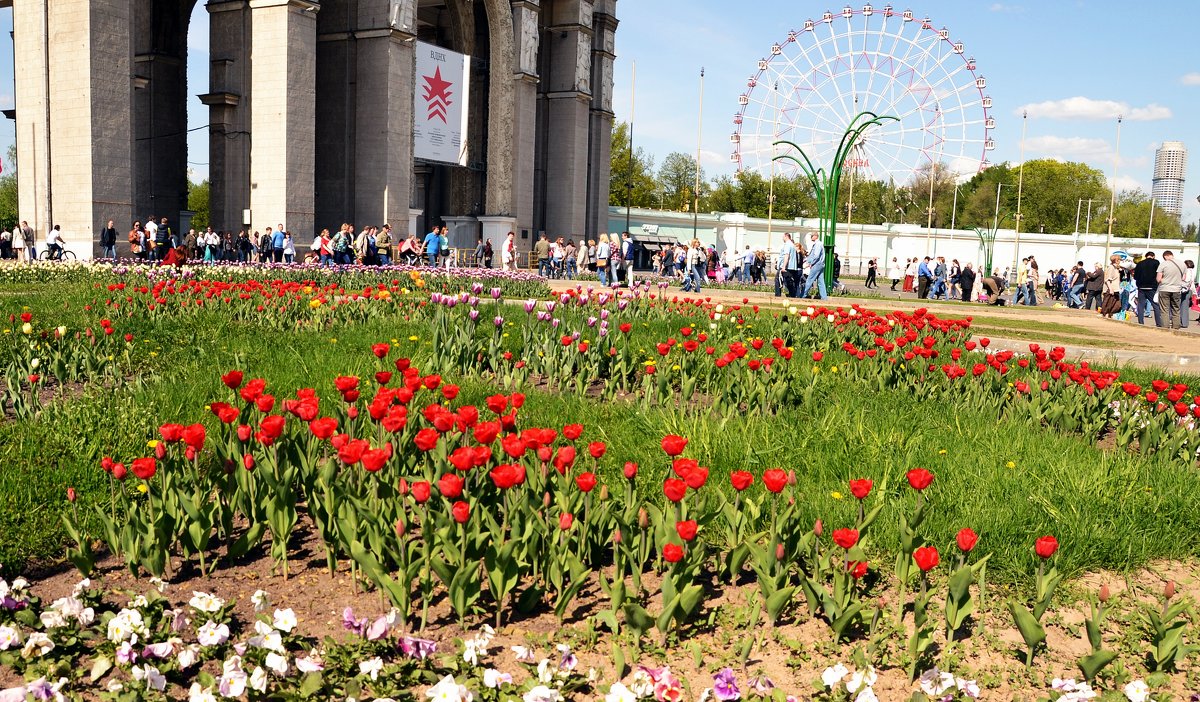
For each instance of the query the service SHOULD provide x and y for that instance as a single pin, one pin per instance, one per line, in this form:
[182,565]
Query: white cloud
[1001,7]
[1192,78]
[1082,108]
[1125,182]
[1096,152]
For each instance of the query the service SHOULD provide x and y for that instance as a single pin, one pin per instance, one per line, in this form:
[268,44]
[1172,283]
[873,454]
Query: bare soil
[792,654]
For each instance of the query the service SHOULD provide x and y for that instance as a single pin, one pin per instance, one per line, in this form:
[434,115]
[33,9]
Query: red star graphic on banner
[437,94]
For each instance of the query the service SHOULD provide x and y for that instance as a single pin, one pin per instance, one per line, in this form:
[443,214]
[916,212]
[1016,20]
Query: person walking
[910,274]
[1031,282]
[955,276]
[1171,276]
[872,271]
[815,261]
[508,252]
[383,245]
[18,243]
[603,251]
[108,241]
[1146,277]
[432,246]
[627,247]
[1093,286]
[895,272]
[1112,287]
[966,282]
[542,249]
[1076,286]
[1189,292]
[694,260]
[289,247]
[29,235]
[924,278]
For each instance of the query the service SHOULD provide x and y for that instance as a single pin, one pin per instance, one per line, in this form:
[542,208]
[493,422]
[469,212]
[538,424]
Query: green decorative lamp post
[826,185]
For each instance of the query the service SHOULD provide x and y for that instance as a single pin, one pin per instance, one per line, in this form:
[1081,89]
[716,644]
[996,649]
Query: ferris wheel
[814,82]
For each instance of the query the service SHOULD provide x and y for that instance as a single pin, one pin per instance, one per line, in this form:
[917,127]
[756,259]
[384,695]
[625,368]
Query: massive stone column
[383,111]
[604,29]
[527,39]
[228,102]
[283,115]
[73,98]
[567,91]
[501,109]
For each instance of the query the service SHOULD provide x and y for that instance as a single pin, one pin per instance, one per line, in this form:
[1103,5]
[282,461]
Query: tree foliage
[632,181]
[677,178]
[198,202]
[8,191]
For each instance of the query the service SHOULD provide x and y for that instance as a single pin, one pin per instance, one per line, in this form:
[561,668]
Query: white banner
[440,105]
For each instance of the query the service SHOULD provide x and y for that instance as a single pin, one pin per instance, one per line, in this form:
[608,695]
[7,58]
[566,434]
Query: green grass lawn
[1110,510]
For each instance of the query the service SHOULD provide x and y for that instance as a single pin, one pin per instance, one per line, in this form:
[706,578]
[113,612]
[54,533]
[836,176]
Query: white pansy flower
[201,694]
[277,663]
[204,602]
[867,695]
[541,693]
[619,693]
[832,676]
[1137,691]
[138,602]
[9,637]
[641,684]
[52,619]
[212,634]
[153,679]
[544,674]
[285,619]
[261,600]
[258,679]
[158,584]
[447,690]
[310,663]
[524,654]
[493,678]
[82,586]
[4,589]
[934,682]
[968,687]
[860,678]
[187,657]
[37,644]
[371,667]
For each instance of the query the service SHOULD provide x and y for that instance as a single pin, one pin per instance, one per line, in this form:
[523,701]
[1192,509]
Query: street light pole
[1112,196]
[932,177]
[629,179]
[771,191]
[1020,187]
[699,136]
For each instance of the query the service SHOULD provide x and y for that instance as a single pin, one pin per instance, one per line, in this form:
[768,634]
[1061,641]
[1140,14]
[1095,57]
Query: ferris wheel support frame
[826,185]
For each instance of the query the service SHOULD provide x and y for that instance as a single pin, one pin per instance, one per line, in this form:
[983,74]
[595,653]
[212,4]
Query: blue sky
[1073,64]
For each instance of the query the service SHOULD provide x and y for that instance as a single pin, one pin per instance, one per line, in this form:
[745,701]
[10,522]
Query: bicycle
[62,255]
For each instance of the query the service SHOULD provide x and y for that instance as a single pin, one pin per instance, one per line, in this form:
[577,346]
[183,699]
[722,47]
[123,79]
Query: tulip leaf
[1092,664]
[637,618]
[778,601]
[100,668]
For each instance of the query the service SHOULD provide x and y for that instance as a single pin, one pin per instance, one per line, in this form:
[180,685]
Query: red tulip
[244,432]
[461,512]
[630,470]
[856,569]
[420,491]
[497,403]
[345,383]
[846,538]
[674,489]
[450,485]
[171,433]
[861,488]
[323,428]
[741,479]
[264,403]
[143,468]
[565,520]
[352,451]
[224,411]
[686,529]
[506,475]
[572,431]
[449,392]
[193,436]
[597,449]
[517,399]
[926,558]
[672,553]
[967,539]
[585,481]
[272,425]
[232,379]
[1046,546]
[248,461]
[70,494]
[564,458]
[383,377]
[673,445]
[431,382]
[818,356]
[375,459]
[919,478]
[696,477]
[486,432]
[426,439]
[775,479]
[380,350]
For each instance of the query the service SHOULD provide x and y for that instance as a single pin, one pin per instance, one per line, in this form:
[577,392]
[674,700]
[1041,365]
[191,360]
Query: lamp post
[1020,188]
[699,135]
[771,189]
[937,111]
[1112,196]
[629,175]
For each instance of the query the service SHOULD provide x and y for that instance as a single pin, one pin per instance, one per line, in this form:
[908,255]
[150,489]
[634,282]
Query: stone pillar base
[414,216]
[495,230]
[463,230]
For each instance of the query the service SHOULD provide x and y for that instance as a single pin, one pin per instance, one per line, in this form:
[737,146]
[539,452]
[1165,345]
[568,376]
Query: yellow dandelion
[942,452]
[833,369]
[413,338]
[836,495]
[152,443]
[675,367]
[142,488]
[816,369]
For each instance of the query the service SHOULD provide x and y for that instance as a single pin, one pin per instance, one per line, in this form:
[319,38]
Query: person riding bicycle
[55,243]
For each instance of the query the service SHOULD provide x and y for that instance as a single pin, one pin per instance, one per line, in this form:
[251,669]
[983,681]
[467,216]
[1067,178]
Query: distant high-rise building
[1170,166]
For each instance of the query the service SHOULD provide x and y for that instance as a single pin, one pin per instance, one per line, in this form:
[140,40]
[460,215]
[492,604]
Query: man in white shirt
[747,264]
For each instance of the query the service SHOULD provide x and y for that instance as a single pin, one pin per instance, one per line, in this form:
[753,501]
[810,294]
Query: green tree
[198,203]
[8,192]
[677,177]
[1133,218]
[634,176]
